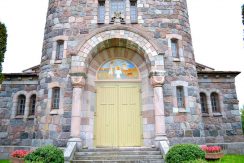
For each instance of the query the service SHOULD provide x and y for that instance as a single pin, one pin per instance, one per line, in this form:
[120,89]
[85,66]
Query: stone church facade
[118,73]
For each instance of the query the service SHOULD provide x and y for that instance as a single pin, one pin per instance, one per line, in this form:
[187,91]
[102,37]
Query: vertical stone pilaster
[157,81]
[161,141]
[78,83]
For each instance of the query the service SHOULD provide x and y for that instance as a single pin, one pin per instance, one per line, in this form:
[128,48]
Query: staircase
[118,155]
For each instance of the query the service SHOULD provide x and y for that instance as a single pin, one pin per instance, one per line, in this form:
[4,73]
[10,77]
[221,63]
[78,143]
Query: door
[118,120]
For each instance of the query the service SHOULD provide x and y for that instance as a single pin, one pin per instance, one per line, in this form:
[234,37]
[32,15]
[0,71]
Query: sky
[216,26]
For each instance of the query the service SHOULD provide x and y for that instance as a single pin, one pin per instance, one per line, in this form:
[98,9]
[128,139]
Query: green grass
[231,159]
[4,161]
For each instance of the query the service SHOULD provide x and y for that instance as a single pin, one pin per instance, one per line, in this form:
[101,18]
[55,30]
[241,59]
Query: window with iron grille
[55,97]
[21,105]
[32,105]
[133,12]
[203,100]
[59,49]
[101,11]
[215,102]
[175,48]
[180,96]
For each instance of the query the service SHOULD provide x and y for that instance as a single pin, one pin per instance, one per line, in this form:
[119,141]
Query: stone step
[118,161]
[117,153]
[119,149]
[119,157]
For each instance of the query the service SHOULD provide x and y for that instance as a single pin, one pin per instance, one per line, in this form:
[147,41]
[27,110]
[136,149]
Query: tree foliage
[243,14]
[3,45]
[242,118]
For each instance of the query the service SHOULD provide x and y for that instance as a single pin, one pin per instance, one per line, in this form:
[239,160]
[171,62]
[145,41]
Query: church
[118,73]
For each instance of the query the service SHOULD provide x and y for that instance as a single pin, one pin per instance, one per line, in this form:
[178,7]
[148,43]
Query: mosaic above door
[118,69]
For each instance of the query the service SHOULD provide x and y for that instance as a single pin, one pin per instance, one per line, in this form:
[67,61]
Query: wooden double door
[118,115]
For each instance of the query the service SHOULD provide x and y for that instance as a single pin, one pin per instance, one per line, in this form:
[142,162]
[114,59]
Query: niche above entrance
[118,69]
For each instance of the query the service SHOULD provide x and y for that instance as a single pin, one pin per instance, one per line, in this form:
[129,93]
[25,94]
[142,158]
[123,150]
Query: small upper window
[175,48]
[133,11]
[59,49]
[32,105]
[21,105]
[101,11]
[180,97]
[117,7]
[203,100]
[55,97]
[215,102]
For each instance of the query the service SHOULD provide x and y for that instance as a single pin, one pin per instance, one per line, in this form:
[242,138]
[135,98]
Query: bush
[184,152]
[46,154]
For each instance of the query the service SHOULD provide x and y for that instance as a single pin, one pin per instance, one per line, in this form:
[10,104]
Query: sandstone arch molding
[140,43]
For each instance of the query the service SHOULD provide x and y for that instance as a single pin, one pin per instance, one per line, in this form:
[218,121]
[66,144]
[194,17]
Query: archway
[106,46]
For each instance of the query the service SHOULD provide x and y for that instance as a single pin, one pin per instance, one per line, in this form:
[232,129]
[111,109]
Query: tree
[243,14]
[242,118]
[3,45]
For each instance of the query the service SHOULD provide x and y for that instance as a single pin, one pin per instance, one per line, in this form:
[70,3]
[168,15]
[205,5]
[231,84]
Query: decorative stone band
[157,78]
[78,81]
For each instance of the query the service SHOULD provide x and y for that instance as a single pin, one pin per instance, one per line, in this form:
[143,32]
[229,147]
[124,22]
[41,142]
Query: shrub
[20,153]
[184,152]
[46,154]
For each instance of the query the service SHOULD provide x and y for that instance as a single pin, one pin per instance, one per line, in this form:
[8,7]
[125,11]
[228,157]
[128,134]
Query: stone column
[78,83]
[157,80]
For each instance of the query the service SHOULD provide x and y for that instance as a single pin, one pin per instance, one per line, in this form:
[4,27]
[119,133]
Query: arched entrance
[98,51]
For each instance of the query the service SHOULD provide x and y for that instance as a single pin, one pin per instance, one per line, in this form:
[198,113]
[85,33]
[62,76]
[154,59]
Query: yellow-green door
[118,122]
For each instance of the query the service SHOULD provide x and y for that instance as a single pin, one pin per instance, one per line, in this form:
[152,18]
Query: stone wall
[15,130]
[224,126]
[75,22]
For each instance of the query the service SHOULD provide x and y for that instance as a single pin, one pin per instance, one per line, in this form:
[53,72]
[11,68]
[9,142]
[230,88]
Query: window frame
[59,50]
[32,105]
[175,51]
[21,105]
[214,97]
[55,104]
[180,96]
[101,4]
[110,7]
[136,12]
[203,102]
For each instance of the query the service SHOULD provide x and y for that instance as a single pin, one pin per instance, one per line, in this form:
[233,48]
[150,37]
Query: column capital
[156,78]
[78,81]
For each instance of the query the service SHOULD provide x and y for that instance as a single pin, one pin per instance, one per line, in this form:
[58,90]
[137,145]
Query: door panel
[107,116]
[118,121]
[129,116]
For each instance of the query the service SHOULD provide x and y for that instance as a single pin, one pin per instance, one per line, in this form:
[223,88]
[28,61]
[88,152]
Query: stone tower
[77,87]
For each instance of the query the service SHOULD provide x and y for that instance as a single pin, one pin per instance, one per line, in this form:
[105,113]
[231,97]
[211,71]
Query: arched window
[21,105]
[55,97]
[215,102]
[32,105]
[180,97]
[203,100]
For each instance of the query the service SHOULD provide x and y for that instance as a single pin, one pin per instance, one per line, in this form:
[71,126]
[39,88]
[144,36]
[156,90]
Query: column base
[77,141]
[162,143]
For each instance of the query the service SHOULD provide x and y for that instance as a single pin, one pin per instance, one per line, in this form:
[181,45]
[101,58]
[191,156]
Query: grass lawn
[231,159]
[4,161]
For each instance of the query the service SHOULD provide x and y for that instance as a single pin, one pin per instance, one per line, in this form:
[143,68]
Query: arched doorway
[98,49]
